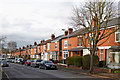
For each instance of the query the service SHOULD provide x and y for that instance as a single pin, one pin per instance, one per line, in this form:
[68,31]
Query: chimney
[30,45]
[65,33]
[27,46]
[94,20]
[43,40]
[23,47]
[35,43]
[19,48]
[70,30]
[52,36]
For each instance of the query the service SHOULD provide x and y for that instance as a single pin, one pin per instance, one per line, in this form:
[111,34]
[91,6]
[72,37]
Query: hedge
[74,60]
[86,61]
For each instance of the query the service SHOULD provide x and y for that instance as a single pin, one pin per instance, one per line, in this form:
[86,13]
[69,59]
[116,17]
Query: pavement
[0,72]
[18,72]
[112,76]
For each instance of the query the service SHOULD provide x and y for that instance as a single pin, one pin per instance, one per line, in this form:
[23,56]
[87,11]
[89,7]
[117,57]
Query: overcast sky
[26,21]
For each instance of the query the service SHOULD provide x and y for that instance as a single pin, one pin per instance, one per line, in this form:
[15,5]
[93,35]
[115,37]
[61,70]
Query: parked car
[23,62]
[4,63]
[35,63]
[28,62]
[19,60]
[1,59]
[47,65]
[8,60]
[12,60]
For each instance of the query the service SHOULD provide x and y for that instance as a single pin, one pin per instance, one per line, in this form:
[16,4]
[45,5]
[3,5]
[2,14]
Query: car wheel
[39,67]
[45,68]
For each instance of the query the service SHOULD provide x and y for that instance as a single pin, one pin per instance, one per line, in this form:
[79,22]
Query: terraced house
[70,44]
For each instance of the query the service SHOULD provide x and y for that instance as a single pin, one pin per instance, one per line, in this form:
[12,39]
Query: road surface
[18,72]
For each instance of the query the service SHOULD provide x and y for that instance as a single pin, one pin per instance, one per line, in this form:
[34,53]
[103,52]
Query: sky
[27,21]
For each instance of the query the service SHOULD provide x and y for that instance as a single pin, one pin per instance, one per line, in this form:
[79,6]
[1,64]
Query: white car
[19,60]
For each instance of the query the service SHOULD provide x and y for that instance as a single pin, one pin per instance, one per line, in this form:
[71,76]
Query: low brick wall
[102,70]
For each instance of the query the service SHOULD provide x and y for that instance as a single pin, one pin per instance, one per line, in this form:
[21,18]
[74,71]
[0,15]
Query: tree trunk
[91,62]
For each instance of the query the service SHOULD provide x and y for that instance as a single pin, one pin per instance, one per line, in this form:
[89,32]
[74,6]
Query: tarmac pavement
[18,72]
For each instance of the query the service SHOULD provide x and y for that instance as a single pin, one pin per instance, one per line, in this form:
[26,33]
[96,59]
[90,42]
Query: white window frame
[34,50]
[91,37]
[65,43]
[31,51]
[64,54]
[55,45]
[102,54]
[54,55]
[44,47]
[48,46]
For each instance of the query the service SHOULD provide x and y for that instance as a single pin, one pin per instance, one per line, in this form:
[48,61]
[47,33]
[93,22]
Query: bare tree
[93,17]
[12,45]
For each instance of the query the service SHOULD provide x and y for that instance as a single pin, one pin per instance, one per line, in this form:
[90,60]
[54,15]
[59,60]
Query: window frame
[55,45]
[48,46]
[118,36]
[66,43]
[64,54]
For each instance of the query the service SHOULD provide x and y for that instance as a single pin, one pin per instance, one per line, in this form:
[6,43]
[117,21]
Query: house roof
[112,22]
[45,42]
[77,49]
[58,38]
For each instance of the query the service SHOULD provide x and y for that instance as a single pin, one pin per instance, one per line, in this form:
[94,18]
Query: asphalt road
[18,72]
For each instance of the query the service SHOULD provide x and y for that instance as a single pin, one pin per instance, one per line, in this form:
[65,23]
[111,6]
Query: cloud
[26,21]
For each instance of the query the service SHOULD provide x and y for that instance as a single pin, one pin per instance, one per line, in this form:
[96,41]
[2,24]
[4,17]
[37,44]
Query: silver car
[4,63]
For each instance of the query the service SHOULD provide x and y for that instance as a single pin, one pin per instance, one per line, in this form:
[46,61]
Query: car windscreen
[39,60]
[4,61]
[28,60]
[48,62]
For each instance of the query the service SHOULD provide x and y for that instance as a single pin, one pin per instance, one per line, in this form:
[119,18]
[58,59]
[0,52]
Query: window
[31,51]
[34,50]
[79,42]
[44,47]
[54,55]
[90,38]
[70,54]
[65,44]
[117,35]
[48,46]
[65,54]
[55,45]
[101,55]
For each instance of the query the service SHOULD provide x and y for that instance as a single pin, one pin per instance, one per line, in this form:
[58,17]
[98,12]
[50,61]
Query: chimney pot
[52,36]
[70,30]
[35,43]
[65,33]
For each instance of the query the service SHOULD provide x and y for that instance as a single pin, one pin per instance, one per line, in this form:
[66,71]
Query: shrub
[70,60]
[74,60]
[86,61]
[78,61]
[32,58]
